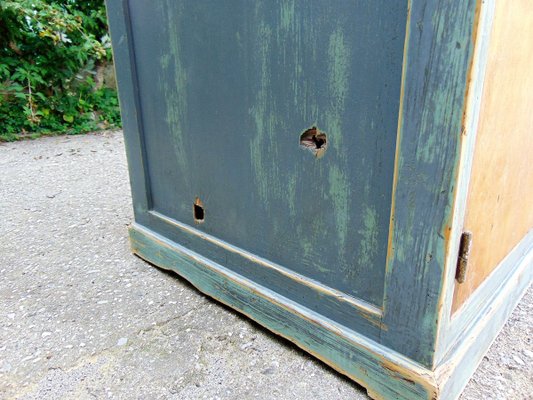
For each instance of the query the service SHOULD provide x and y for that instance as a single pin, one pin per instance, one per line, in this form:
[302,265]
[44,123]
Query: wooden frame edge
[440,49]
[470,124]
[453,373]
[124,62]
[384,373]
[464,318]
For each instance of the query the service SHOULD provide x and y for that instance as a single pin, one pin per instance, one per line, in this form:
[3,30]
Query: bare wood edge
[499,209]
[454,371]
[391,372]
[405,55]
[362,306]
[470,123]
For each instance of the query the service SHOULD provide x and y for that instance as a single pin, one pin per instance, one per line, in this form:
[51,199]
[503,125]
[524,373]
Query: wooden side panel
[499,206]
[436,60]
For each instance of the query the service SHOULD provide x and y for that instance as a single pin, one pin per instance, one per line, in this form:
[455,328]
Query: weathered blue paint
[437,61]
[345,254]
[224,97]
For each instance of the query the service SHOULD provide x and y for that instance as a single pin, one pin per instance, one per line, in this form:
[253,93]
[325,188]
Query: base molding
[385,374]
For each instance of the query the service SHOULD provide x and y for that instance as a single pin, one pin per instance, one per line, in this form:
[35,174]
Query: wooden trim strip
[128,90]
[471,120]
[487,317]
[488,292]
[360,304]
[438,56]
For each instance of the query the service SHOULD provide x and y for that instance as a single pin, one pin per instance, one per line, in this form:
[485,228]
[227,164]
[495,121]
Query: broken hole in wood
[314,141]
[198,211]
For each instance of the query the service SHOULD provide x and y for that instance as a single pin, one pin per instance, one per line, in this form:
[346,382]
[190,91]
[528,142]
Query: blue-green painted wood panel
[438,60]
[226,89]
[268,199]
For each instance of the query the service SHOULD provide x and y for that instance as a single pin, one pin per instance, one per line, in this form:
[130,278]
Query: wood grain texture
[481,38]
[384,373]
[321,299]
[437,55]
[499,211]
[437,61]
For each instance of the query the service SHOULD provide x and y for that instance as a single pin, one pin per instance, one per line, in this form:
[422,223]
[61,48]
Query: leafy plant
[50,55]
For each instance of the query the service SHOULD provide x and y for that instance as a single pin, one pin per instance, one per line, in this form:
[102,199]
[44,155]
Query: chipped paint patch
[175,91]
[340,195]
[368,246]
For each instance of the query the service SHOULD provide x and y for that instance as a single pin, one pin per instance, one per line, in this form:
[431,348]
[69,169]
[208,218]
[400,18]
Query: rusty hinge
[462,259]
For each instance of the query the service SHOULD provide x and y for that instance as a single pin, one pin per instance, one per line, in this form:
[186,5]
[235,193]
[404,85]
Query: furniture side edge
[454,371]
[439,45]
[468,139]
[467,316]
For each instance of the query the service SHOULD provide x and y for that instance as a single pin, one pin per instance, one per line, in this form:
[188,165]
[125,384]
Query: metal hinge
[462,259]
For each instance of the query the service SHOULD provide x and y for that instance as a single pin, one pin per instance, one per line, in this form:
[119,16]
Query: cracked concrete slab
[82,318]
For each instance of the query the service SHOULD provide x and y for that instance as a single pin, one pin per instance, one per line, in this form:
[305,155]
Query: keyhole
[198,211]
[314,141]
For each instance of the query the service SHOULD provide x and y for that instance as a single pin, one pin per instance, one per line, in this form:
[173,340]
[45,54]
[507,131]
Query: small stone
[45,334]
[528,353]
[518,360]
[6,367]
[11,315]
[122,341]
[269,371]
[246,345]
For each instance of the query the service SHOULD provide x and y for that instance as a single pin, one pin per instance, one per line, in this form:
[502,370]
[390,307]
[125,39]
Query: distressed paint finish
[224,97]
[437,60]
[360,147]
[295,242]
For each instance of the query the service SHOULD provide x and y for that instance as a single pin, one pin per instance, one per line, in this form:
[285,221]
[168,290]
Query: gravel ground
[82,318]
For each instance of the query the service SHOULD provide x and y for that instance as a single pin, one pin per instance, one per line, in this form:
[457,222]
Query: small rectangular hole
[198,211]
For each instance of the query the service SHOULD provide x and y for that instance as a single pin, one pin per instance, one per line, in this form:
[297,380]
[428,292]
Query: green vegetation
[52,54]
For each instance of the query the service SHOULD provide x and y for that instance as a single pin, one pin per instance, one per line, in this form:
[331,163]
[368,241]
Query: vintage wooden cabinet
[328,168]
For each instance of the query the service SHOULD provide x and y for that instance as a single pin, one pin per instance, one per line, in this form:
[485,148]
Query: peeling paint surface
[225,95]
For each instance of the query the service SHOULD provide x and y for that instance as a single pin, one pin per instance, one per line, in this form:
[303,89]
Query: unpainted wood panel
[500,200]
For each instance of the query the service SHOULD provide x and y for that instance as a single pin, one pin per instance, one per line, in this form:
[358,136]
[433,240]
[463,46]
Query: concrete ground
[83,318]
